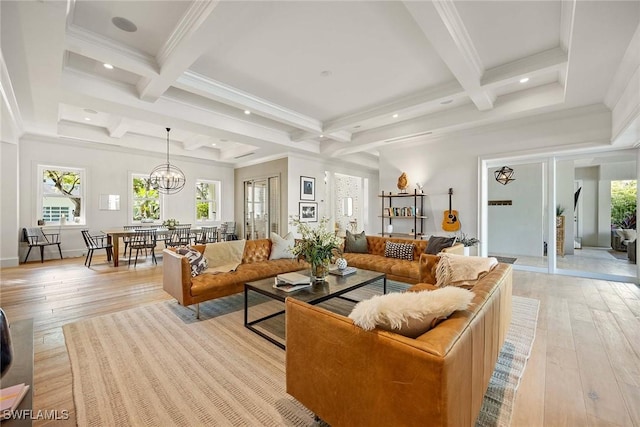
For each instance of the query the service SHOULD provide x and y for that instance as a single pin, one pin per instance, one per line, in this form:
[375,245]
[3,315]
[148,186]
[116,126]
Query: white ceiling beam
[452,91]
[507,107]
[567,17]
[531,66]
[217,91]
[443,27]
[300,135]
[13,118]
[83,90]
[188,41]
[91,45]
[119,127]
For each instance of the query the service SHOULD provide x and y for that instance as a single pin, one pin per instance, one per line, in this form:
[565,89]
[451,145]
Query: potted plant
[316,246]
[170,223]
[467,242]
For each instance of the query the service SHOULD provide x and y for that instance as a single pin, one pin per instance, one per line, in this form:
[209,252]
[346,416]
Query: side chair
[96,242]
[143,239]
[36,238]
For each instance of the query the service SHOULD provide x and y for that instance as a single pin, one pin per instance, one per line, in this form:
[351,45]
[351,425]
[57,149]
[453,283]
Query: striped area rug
[157,365]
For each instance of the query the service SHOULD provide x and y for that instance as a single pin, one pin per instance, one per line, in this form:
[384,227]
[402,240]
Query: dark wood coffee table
[333,287]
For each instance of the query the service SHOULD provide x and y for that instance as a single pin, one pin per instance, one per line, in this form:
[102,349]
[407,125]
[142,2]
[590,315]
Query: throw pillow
[398,250]
[281,246]
[436,244]
[410,313]
[356,243]
[197,260]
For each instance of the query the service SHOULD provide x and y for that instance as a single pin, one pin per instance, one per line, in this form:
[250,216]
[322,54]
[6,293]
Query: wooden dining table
[115,234]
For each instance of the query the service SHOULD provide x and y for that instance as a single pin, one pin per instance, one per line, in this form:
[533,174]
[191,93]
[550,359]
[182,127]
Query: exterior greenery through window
[62,194]
[146,199]
[623,204]
[207,200]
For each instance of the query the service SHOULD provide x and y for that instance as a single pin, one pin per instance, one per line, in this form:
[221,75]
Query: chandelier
[166,178]
[504,175]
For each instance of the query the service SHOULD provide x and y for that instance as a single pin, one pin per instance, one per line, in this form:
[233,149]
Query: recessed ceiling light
[108,66]
[322,135]
[213,144]
[524,80]
[395,116]
[90,111]
[448,101]
[247,112]
[326,73]
[87,119]
[124,24]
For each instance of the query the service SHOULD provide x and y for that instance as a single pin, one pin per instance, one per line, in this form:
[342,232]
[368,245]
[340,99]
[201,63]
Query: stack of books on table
[290,282]
[343,272]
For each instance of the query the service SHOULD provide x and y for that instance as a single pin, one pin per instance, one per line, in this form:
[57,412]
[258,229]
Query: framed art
[308,212]
[307,188]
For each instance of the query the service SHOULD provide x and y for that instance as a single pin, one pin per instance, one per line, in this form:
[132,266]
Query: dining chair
[180,236]
[127,239]
[36,238]
[222,232]
[143,239]
[230,233]
[207,235]
[95,242]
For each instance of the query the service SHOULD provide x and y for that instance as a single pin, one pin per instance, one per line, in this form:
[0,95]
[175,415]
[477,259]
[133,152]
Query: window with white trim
[207,200]
[145,200]
[61,195]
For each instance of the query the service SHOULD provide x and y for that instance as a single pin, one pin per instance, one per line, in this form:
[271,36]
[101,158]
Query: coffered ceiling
[246,81]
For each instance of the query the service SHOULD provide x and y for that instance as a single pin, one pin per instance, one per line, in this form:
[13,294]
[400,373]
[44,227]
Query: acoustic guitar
[450,220]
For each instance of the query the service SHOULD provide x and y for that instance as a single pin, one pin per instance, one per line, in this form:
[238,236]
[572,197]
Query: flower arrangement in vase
[317,246]
[170,223]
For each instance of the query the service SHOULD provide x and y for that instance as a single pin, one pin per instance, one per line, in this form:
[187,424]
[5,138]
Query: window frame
[82,172]
[131,201]
[217,200]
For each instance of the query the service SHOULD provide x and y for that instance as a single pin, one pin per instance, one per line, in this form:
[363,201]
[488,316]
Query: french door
[261,207]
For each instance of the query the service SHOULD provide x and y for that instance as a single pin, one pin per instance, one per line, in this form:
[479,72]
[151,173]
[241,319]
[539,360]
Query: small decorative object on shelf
[403,182]
[341,263]
[170,223]
[316,246]
[419,186]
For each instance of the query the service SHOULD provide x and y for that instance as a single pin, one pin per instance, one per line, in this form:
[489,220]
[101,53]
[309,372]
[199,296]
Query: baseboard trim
[9,262]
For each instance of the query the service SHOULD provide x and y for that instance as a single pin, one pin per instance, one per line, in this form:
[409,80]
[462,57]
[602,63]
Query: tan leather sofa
[177,280]
[395,269]
[351,377]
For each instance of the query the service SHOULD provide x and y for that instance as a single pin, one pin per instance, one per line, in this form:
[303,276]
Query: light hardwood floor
[584,368]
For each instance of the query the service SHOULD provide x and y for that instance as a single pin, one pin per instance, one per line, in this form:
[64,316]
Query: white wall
[454,163]
[107,172]
[565,176]
[9,229]
[589,200]
[315,167]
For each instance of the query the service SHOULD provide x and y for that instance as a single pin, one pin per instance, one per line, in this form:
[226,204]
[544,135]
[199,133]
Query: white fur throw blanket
[454,269]
[224,256]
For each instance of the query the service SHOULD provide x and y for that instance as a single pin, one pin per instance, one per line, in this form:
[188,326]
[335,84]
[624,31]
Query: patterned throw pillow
[399,250]
[196,259]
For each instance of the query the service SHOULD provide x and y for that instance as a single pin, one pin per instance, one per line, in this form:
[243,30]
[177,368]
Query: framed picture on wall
[308,212]
[307,188]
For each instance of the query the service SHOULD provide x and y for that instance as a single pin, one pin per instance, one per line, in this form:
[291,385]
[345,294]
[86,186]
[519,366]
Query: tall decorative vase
[6,350]
[467,250]
[319,270]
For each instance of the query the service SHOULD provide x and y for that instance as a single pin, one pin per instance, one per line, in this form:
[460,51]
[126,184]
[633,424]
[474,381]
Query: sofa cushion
[281,246]
[399,250]
[437,243]
[356,243]
[410,313]
[196,259]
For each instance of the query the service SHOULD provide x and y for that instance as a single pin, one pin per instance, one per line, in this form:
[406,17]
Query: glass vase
[319,270]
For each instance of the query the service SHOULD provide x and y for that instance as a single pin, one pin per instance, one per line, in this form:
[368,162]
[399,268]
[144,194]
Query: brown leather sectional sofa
[177,280]
[395,269]
[351,377]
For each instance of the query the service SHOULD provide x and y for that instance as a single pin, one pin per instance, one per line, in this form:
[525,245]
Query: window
[145,200]
[61,194]
[207,200]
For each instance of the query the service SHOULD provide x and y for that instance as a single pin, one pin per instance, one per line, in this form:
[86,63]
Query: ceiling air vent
[407,137]
[244,155]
